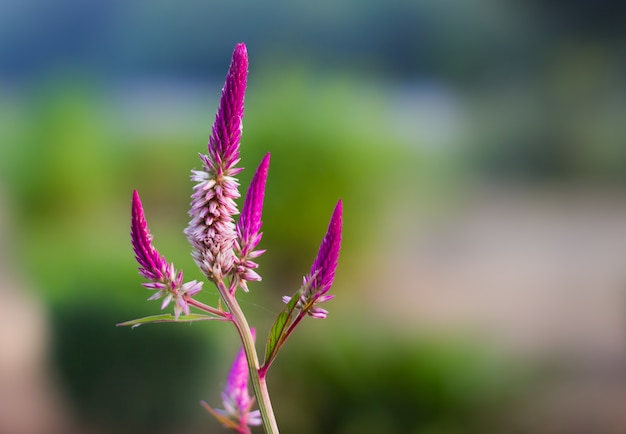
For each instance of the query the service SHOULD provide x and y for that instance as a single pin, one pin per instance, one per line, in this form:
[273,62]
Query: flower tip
[339,208]
[136,201]
[138,227]
[240,57]
[263,166]
[325,264]
[261,174]
[336,220]
[240,49]
[138,219]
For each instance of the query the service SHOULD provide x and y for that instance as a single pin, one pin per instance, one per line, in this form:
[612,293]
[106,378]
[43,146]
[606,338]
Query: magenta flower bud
[163,277]
[325,264]
[152,265]
[226,133]
[211,230]
[249,226]
[235,396]
[236,399]
[318,282]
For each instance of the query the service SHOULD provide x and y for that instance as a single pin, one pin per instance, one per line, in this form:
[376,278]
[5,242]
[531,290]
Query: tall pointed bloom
[163,277]
[211,230]
[318,282]
[236,399]
[249,226]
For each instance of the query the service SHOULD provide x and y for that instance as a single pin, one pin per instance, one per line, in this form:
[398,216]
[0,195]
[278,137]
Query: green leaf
[167,318]
[277,336]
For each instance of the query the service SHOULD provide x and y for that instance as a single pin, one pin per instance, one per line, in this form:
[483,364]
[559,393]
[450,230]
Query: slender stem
[208,309]
[259,384]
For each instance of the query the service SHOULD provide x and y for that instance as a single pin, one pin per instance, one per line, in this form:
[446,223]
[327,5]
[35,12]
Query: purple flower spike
[152,265]
[322,275]
[236,400]
[235,396]
[325,264]
[226,132]
[211,230]
[163,277]
[249,225]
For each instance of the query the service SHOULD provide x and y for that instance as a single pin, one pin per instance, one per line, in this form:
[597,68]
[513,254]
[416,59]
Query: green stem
[208,309]
[258,383]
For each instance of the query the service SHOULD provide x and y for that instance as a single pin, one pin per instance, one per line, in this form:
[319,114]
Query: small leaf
[167,318]
[277,334]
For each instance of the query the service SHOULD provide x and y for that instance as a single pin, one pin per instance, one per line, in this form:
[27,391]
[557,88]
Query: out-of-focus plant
[225,252]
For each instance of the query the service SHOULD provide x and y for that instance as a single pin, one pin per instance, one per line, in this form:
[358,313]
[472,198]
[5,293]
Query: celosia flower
[211,230]
[249,226]
[163,277]
[318,282]
[236,399]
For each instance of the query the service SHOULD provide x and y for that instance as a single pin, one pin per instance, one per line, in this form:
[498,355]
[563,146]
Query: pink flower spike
[250,220]
[211,230]
[236,400]
[226,132]
[152,265]
[322,275]
[163,277]
[235,394]
[325,264]
[249,225]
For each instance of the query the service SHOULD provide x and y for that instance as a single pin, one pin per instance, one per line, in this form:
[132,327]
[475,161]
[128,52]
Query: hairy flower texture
[318,282]
[163,277]
[211,230]
[249,226]
[236,400]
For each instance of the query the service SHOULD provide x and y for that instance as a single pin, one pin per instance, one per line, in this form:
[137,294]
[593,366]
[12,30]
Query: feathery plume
[236,399]
[322,275]
[211,230]
[249,226]
[163,277]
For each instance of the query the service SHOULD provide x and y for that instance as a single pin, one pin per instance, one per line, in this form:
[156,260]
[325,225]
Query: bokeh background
[479,148]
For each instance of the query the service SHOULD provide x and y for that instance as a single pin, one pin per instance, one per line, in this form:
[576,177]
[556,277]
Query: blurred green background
[479,149]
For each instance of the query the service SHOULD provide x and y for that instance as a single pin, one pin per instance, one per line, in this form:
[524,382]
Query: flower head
[163,277]
[211,230]
[249,226]
[318,282]
[236,399]
[235,396]
[323,268]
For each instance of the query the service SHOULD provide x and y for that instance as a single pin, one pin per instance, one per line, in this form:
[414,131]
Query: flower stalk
[247,339]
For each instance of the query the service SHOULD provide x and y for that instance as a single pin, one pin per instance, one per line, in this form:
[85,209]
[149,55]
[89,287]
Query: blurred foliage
[127,381]
[366,381]
[329,139]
